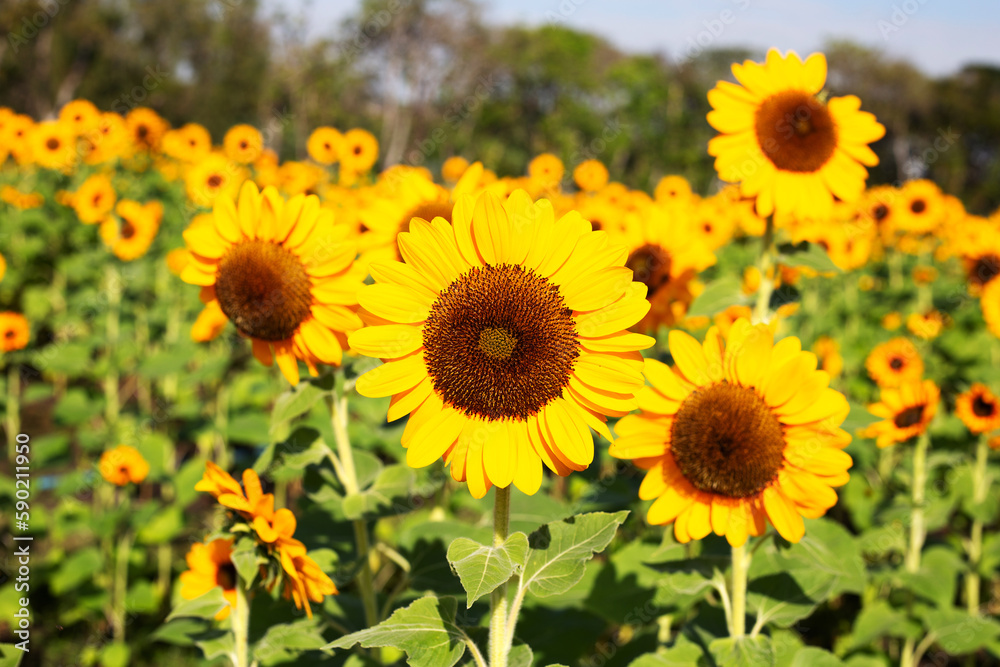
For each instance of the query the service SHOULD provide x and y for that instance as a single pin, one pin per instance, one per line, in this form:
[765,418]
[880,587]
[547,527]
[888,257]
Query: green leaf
[181,631]
[295,402]
[742,652]
[684,653]
[71,359]
[937,579]
[520,656]
[810,656]
[165,362]
[76,407]
[284,641]
[217,645]
[810,255]
[717,296]
[162,527]
[425,630]
[244,559]
[957,632]
[559,550]
[249,427]
[77,569]
[876,620]
[205,606]
[115,654]
[482,569]
[389,493]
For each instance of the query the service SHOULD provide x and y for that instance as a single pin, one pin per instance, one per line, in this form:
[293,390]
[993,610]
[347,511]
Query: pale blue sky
[939,36]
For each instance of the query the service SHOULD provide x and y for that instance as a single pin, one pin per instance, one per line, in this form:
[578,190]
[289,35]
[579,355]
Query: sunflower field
[299,412]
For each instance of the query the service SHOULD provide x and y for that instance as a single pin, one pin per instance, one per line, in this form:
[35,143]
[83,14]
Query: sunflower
[828,351]
[878,208]
[3,267]
[893,321]
[282,272]
[783,143]
[94,199]
[213,176]
[211,322]
[590,175]
[982,260]
[130,234]
[243,144]
[80,116]
[922,208]
[53,145]
[894,362]
[210,565]
[122,465]
[924,275]
[108,140]
[503,335]
[979,409]
[304,580]
[190,143]
[146,128]
[926,325]
[358,151]
[906,411]
[21,200]
[300,178]
[665,255]
[324,145]
[14,331]
[545,172]
[17,130]
[453,168]
[740,431]
[989,302]
[672,188]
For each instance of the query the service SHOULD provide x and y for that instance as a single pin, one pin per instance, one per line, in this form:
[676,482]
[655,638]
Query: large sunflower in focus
[503,336]
[740,431]
[282,272]
[783,143]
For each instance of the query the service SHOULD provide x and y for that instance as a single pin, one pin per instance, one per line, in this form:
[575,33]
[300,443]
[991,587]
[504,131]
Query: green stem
[112,326]
[13,410]
[241,625]
[144,389]
[895,261]
[221,424]
[980,486]
[498,599]
[917,528]
[741,564]
[120,590]
[767,268]
[337,402]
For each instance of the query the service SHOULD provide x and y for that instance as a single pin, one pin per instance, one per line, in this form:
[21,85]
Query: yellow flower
[893,321]
[243,144]
[190,143]
[453,168]
[894,362]
[989,302]
[739,432]
[503,336]
[926,325]
[130,234]
[906,411]
[324,145]
[828,351]
[17,130]
[283,272]
[979,409]
[546,170]
[304,580]
[210,565]
[177,259]
[14,331]
[358,151]
[213,176]
[3,267]
[211,322]
[783,143]
[53,145]
[590,176]
[922,208]
[672,188]
[94,199]
[217,482]
[146,128]
[21,200]
[122,465]
[108,140]
[80,116]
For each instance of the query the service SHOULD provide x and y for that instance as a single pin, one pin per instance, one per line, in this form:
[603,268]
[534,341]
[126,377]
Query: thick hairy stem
[498,600]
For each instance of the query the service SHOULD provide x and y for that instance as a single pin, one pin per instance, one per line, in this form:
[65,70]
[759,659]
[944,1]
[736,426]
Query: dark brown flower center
[896,363]
[650,265]
[10,333]
[500,342]
[909,417]
[214,181]
[918,206]
[264,289]
[52,143]
[127,230]
[880,212]
[981,407]
[795,131]
[985,269]
[726,440]
[225,577]
[142,131]
[243,144]
[357,150]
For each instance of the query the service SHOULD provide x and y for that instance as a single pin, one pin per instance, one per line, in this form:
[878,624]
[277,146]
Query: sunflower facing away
[979,409]
[894,362]
[503,336]
[282,272]
[783,143]
[906,411]
[739,432]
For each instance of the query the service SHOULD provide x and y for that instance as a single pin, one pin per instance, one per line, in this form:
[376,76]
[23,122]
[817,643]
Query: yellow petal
[394,302]
[387,342]
[500,455]
[392,377]
[430,441]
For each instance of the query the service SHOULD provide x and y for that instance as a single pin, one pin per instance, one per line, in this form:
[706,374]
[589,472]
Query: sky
[939,36]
